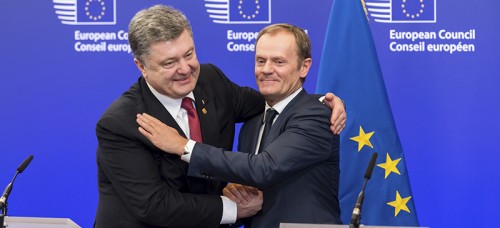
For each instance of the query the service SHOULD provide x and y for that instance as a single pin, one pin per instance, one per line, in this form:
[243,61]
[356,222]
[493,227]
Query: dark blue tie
[268,120]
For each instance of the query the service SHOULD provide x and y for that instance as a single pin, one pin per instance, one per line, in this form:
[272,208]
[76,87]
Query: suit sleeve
[305,141]
[129,169]
[246,102]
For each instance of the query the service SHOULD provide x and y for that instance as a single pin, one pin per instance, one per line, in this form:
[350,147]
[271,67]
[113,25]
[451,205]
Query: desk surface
[35,222]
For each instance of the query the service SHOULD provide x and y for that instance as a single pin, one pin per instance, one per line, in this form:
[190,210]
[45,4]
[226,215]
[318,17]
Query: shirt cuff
[229,211]
[188,150]
[321,99]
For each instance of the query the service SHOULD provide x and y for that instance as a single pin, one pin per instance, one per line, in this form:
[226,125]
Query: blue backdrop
[60,72]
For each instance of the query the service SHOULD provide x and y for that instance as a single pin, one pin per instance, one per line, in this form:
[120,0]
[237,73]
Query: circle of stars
[412,15]
[251,16]
[100,3]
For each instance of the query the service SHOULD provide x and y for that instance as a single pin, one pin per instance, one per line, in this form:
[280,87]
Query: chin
[266,90]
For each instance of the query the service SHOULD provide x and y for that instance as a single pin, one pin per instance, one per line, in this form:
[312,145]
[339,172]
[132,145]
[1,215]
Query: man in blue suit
[295,163]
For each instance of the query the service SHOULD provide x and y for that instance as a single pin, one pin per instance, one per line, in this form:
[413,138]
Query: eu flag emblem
[86,12]
[413,10]
[239,11]
[402,11]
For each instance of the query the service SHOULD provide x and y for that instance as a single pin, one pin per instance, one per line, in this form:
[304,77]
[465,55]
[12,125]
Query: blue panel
[62,68]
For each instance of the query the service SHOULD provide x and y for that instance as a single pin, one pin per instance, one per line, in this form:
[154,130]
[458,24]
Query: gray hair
[157,23]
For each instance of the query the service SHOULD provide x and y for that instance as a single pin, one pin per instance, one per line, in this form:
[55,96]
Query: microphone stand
[2,216]
[356,212]
[8,189]
[3,202]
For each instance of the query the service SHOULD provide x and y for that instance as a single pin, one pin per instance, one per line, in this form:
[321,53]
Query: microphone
[356,212]
[25,164]
[8,189]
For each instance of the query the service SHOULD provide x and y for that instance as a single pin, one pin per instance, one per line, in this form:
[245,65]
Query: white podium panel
[34,222]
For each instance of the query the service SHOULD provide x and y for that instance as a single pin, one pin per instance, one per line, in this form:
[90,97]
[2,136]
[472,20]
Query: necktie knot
[270,114]
[187,104]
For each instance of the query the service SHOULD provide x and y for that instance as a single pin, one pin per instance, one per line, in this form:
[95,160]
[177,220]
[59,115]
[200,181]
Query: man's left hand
[339,116]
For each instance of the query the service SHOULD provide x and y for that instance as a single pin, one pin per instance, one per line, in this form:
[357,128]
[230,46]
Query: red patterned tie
[194,122]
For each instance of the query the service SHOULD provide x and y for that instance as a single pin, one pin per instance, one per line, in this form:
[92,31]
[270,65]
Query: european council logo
[86,12]
[239,11]
[402,11]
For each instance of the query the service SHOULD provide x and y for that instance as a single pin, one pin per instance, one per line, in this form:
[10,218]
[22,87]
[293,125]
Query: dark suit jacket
[141,186]
[298,170]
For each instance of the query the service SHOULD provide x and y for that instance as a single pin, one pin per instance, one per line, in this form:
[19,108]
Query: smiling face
[278,70]
[171,67]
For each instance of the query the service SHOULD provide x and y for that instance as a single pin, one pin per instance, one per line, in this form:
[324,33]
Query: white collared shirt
[173,107]
[279,107]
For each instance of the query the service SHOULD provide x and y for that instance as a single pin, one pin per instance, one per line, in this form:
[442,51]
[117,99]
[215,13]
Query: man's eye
[168,64]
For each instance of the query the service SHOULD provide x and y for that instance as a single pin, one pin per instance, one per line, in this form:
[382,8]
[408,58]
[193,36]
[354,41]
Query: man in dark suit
[297,164]
[139,185]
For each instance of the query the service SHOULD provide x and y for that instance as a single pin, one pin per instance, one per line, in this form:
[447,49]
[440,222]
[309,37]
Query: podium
[305,225]
[35,222]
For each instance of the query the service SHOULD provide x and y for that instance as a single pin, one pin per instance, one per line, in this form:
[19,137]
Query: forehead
[276,42]
[175,48]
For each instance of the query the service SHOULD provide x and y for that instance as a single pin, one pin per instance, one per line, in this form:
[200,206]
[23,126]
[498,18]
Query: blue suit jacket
[298,169]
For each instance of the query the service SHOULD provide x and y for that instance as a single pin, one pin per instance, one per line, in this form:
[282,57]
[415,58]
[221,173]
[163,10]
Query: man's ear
[304,69]
[141,67]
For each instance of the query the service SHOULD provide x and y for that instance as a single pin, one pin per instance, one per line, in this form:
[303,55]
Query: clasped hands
[248,199]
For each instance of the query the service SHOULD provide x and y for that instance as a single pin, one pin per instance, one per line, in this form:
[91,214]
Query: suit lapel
[251,130]
[250,134]
[281,121]
[207,115]
[156,109]
[205,107]
[256,131]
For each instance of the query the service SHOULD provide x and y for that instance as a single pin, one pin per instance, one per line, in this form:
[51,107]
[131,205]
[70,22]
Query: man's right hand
[248,199]
[239,193]
[252,207]
[161,135]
